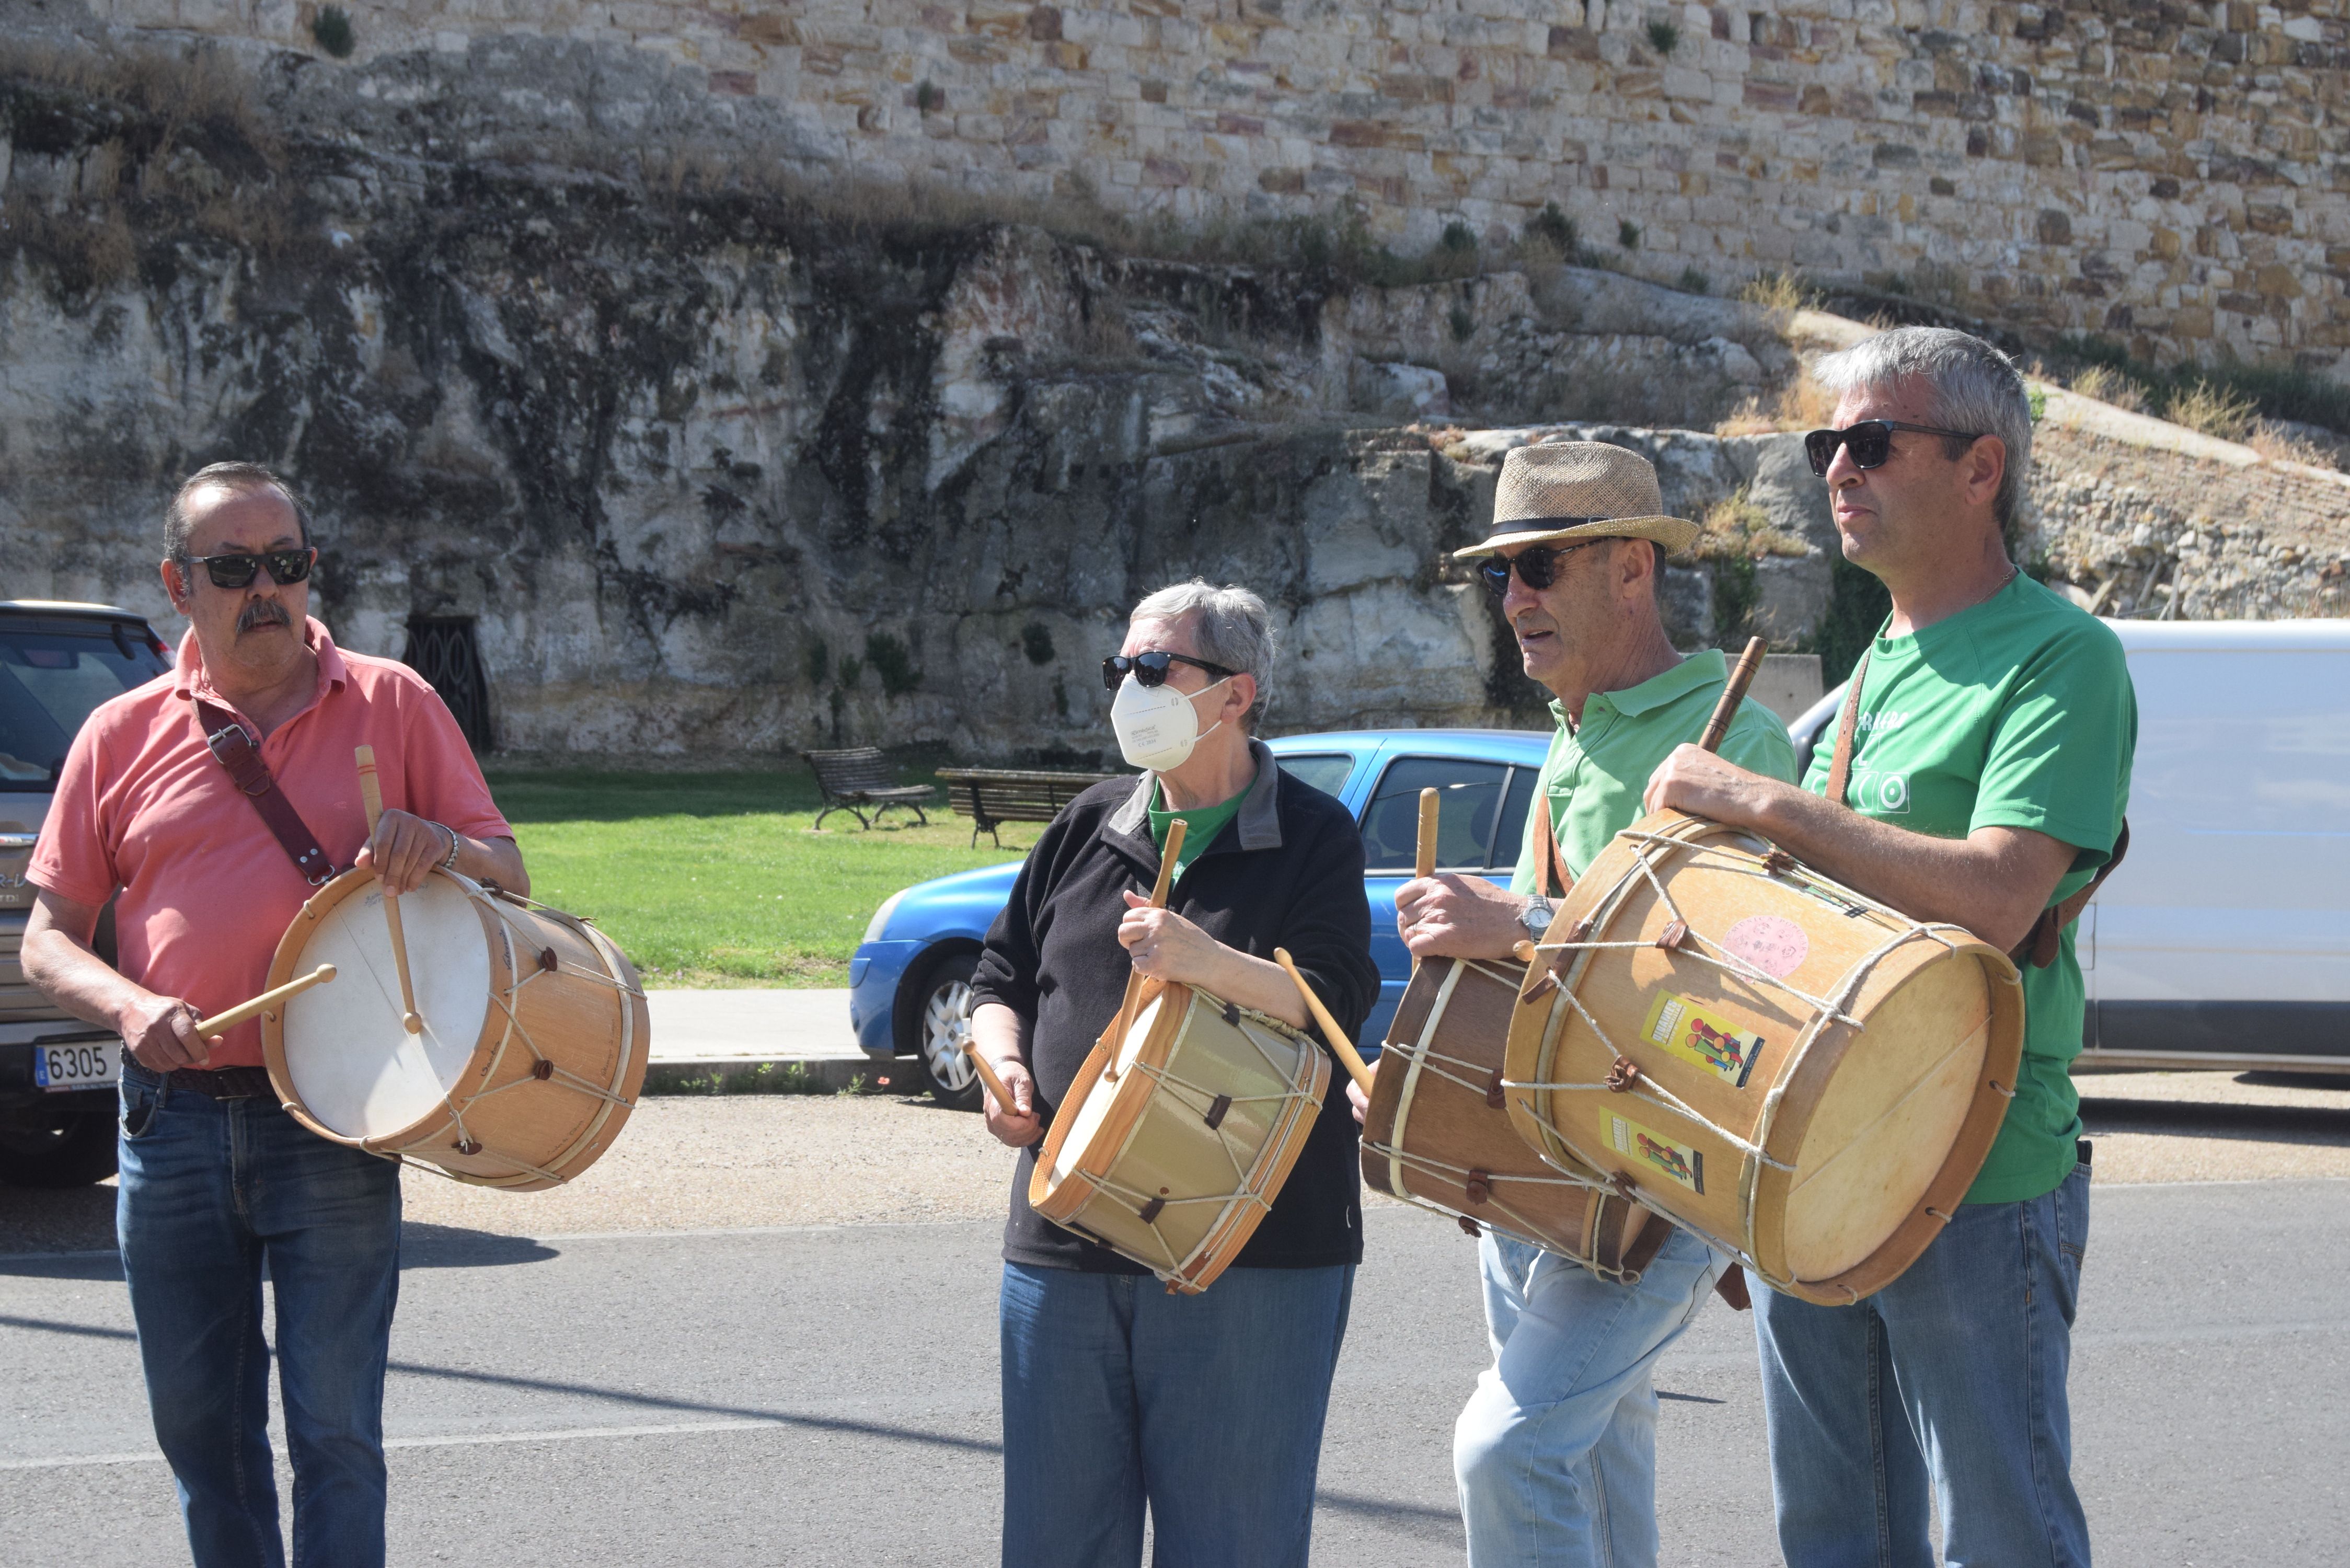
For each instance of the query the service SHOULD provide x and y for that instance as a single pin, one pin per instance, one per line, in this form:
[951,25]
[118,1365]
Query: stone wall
[2173,175]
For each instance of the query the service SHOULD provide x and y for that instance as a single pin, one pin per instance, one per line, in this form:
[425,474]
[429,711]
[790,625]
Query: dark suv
[58,662]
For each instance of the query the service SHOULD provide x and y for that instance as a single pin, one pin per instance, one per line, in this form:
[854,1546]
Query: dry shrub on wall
[2213,410]
[1734,526]
[2278,444]
[2107,385]
[1803,404]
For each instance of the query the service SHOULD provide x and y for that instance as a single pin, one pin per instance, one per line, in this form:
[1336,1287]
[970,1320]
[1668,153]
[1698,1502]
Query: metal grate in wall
[446,651]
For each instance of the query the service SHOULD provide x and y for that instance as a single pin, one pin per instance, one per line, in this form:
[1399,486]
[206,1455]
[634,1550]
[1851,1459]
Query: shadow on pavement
[2290,1124]
[423,1246]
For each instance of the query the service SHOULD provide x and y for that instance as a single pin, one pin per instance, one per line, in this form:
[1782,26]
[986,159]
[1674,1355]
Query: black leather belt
[213,1083]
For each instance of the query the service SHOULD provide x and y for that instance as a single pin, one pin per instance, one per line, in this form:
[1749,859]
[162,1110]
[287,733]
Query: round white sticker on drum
[358,1072]
[1772,943]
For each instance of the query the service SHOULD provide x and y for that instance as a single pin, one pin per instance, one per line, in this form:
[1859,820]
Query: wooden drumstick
[219,1024]
[987,1075]
[1357,1068]
[372,793]
[1167,857]
[1741,678]
[1424,865]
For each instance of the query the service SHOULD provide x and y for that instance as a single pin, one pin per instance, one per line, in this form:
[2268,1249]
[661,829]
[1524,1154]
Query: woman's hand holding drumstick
[371,793]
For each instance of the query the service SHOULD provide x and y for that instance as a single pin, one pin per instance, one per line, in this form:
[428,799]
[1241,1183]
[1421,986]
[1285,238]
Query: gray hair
[1230,625]
[1972,386]
[228,476]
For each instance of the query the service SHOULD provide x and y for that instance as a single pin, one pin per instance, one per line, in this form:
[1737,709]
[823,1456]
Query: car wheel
[941,1024]
[77,1151]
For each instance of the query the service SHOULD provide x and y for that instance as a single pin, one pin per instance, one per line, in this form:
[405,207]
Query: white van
[2223,941]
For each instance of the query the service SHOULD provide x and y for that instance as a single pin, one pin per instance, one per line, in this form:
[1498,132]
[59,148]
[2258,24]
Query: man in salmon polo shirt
[217,1179]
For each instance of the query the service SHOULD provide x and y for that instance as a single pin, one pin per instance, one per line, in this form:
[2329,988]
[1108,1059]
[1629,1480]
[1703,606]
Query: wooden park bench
[991,796]
[856,780]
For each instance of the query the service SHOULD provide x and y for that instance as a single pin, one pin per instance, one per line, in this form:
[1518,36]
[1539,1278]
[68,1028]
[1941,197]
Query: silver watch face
[1535,916]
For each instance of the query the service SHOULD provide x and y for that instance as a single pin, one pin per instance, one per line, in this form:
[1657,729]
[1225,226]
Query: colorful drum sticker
[1705,1039]
[1772,943]
[1674,1161]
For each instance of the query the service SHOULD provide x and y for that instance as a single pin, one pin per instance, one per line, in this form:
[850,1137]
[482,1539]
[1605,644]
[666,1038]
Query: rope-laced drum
[1173,1143]
[1437,1134]
[1804,1078]
[534,1041]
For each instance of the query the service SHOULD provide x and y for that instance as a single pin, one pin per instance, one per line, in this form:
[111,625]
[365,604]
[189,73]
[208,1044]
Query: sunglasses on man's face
[1150,668]
[238,571]
[1869,441]
[1536,568]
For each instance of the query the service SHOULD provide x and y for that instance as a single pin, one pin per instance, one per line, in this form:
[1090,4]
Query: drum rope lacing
[552,1072]
[1137,1200]
[1824,1012]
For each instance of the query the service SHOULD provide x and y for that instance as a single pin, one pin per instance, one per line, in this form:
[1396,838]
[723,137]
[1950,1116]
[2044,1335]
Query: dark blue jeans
[211,1189]
[1950,1380]
[1209,1407]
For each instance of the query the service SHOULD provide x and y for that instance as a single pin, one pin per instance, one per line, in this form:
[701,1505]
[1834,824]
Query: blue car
[910,984]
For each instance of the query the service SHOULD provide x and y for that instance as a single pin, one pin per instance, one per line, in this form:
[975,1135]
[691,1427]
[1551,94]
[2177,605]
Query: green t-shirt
[1202,822]
[2015,714]
[1596,773]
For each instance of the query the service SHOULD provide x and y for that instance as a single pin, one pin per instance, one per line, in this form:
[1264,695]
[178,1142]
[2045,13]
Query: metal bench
[856,780]
[991,796]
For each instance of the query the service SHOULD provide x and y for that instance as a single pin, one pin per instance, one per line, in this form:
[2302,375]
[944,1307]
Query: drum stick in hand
[372,793]
[220,1024]
[987,1075]
[1357,1068]
[1166,857]
[1732,694]
[1424,864]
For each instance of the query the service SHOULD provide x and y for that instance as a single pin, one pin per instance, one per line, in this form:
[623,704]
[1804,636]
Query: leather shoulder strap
[1840,761]
[2040,946]
[226,738]
[1551,879]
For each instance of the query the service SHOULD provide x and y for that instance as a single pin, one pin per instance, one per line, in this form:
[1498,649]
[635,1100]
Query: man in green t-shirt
[1555,1452]
[1990,728]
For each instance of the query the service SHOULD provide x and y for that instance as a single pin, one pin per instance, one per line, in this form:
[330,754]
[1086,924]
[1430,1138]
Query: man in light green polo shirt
[1555,1452]
[1991,729]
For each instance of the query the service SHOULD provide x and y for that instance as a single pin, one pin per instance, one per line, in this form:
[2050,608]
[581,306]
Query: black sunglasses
[1537,568]
[1869,441]
[237,571]
[1150,668]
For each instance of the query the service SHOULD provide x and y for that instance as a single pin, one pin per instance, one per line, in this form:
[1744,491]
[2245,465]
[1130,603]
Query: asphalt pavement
[827,1395]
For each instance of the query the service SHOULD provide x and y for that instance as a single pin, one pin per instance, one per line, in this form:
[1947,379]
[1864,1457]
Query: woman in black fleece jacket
[1115,1391]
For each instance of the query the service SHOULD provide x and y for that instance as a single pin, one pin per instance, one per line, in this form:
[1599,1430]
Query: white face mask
[1156,725]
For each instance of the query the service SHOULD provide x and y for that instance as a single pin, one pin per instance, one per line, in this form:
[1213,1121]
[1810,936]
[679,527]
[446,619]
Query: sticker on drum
[1674,1161]
[1772,943]
[1703,1039]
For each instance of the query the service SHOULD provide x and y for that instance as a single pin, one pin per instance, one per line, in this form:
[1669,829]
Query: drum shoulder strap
[224,736]
[1551,879]
[1840,759]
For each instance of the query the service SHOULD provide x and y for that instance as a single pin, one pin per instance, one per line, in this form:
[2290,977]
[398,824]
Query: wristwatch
[1535,917]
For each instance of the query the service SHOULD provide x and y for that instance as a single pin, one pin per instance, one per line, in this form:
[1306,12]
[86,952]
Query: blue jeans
[1952,1376]
[1556,1451]
[1209,1407]
[211,1189]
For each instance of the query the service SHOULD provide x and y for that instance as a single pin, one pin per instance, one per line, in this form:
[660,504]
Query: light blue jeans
[1556,1451]
[210,1189]
[1208,1407]
[1950,1377]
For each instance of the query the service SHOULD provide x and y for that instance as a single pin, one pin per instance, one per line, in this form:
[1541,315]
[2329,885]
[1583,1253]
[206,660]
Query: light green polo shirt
[2018,712]
[1200,824]
[1597,772]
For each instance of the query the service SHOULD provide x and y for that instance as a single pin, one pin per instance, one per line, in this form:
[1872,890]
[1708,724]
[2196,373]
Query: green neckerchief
[1202,823]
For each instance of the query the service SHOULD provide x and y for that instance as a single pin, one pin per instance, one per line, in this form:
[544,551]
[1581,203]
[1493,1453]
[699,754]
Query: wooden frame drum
[1804,1078]
[535,1039]
[1437,1134]
[1173,1143]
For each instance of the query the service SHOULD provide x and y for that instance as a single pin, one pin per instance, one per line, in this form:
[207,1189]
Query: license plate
[79,1064]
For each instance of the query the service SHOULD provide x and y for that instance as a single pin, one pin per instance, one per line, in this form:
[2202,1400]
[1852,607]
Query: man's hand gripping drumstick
[371,792]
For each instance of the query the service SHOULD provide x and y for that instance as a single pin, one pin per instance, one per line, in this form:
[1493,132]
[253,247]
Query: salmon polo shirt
[144,806]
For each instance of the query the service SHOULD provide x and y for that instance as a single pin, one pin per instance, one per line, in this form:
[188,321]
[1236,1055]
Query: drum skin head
[358,1072]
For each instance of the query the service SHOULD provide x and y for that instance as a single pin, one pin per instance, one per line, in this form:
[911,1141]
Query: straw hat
[1561,491]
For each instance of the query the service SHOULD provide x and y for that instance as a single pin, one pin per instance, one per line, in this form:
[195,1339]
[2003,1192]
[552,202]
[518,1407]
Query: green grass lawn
[713,879]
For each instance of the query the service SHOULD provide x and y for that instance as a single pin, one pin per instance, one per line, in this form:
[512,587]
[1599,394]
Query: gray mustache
[261,612]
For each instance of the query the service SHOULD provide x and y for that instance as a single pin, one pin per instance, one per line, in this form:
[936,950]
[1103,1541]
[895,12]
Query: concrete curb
[819,1075]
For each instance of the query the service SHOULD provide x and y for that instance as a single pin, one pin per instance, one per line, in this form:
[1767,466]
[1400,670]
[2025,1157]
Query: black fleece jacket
[1287,871]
